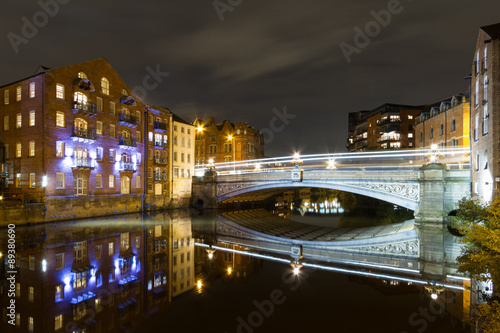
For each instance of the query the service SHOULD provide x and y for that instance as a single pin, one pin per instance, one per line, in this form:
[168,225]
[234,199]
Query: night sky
[250,57]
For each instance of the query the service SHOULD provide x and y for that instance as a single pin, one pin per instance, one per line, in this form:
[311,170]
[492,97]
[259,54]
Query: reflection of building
[227,142]
[389,126]
[183,159]
[182,254]
[93,283]
[485,108]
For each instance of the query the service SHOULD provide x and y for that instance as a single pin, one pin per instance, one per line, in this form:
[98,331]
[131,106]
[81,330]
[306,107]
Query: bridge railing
[454,158]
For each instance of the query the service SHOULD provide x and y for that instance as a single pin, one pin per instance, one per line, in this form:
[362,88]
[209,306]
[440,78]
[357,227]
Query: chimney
[210,120]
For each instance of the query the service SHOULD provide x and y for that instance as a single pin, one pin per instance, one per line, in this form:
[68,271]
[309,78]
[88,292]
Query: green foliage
[481,257]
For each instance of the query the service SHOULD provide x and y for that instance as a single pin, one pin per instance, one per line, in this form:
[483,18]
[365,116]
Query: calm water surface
[182,271]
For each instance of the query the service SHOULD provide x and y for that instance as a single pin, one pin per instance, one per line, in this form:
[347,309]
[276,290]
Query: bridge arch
[391,198]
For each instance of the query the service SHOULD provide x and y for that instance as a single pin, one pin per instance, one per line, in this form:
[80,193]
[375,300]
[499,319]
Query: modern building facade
[389,126]
[226,142]
[485,115]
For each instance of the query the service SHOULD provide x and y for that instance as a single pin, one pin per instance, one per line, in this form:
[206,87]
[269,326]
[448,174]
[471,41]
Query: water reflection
[129,272]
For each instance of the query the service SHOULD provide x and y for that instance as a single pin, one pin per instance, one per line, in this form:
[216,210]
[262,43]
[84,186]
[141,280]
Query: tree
[480,225]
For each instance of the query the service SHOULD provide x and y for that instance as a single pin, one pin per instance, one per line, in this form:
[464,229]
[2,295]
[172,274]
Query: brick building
[72,131]
[389,126]
[445,124]
[226,142]
[485,114]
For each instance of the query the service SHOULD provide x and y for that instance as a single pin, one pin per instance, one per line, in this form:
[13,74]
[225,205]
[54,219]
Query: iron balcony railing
[160,160]
[83,133]
[128,166]
[129,142]
[85,107]
[125,119]
[83,162]
[159,177]
[161,144]
[159,126]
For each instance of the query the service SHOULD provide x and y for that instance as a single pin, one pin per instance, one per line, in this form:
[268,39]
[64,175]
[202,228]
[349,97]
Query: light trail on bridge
[334,269]
[409,159]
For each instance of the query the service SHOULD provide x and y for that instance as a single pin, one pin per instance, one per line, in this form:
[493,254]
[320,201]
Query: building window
[6,96]
[111,181]
[98,129]
[60,122]
[138,181]
[112,108]
[189,158]
[99,104]
[99,153]
[31,294]
[32,90]
[453,125]
[6,123]
[32,118]
[18,180]
[32,148]
[112,132]
[59,292]
[105,86]
[111,248]
[138,116]
[6,150]
[111,155]
[138,136]
[175,128]
[19,120]
[175,156]
[182,157]
[476,128]
[18,149]
[410,135]
[18,93]
[98,181]
[441,130]
[175,140]
[432,133]
[485,89]
[176,172]
[32,180]
[59,91]
[485,119]
[476,95]
[98,251]
[60,148]
[60,180]
[31,262]
[59,261]
[150,172]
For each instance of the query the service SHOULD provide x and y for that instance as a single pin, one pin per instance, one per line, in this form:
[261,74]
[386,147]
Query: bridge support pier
[440,190]
[205,191]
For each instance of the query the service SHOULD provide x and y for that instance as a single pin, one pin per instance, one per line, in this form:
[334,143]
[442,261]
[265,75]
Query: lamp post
[233,149]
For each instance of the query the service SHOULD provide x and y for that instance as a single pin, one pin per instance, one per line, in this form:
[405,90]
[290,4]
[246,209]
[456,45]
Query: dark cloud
[263,55]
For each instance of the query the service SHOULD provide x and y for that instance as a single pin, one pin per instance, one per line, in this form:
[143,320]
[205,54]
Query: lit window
[18,93]
[18,180]
[32,90]
[105,86]
[99,153]
[59,91]
[6,96]
[18,149]
[32,148]
[32,180]
[31,294]
[98,181]
[58,322]
[111,181]
[98,127]
[31,324]
[112,108]
[138,181]
[32,118]
[112,132]
[111,248]
[60,148]
[138,136]
[60,119]
[19,120]
[59,292]
[111,155]
[99,104]
[82,75]
[150,136]
[6,123]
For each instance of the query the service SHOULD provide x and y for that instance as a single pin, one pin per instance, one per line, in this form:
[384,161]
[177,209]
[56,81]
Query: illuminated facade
[390,126]
[182,250]
[182,146]
[72,131]
[227,142]
[485,115]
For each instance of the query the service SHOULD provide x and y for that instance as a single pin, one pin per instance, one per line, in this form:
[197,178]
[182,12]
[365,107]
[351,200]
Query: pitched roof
[492,30]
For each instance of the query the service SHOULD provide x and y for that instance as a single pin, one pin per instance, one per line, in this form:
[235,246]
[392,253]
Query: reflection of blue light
[117,267]
[117,165]
[67,282]
[44,265]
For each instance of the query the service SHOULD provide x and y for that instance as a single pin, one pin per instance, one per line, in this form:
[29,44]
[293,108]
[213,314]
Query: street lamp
[233,148]
[434,148]
[199,128]
[331,165]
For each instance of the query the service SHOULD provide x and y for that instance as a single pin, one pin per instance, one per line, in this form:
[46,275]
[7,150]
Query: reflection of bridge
[392,249]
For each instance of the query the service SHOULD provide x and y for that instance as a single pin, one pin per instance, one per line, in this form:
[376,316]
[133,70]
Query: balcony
[128,166]
[390,127]
[83,163]
[160,177]
[83,134]
[388,139]
[160,161]
[127,143]
[160,127]
[161,144]
[85,108]
[127,120]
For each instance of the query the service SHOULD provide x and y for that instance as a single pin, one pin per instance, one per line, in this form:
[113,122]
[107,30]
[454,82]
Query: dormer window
[82,75]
